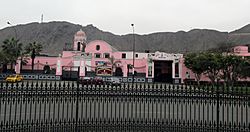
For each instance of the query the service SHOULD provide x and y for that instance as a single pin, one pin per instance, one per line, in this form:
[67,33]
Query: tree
[194,62]
[233,68]
[217,66]
[206,63]
[4,60]
[244,68]
[33,49]
[213,64]
[12,49]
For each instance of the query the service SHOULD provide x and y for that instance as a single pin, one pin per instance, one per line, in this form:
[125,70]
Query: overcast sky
[116,16]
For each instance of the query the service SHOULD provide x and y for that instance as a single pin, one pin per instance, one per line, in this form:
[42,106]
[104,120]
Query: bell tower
[80,41]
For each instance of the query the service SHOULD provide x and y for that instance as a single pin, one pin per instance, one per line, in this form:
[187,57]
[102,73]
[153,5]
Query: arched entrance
[78,46]
[118,71]
[46,69]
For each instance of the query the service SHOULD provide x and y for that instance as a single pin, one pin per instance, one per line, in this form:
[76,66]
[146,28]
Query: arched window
[97,47]
[118,72]
[78,46]
[46,69]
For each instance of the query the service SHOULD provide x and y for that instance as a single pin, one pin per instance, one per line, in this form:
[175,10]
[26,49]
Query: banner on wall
[104,71]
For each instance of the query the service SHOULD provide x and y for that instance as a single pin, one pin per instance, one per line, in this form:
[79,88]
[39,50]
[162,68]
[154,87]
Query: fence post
[217,108]
[77,105]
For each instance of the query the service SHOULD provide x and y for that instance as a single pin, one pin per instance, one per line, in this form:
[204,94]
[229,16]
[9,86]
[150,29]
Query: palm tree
[33,49]
[12,49]
[3,61]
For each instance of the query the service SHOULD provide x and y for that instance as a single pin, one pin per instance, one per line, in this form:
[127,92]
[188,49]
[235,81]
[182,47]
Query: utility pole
[133,53]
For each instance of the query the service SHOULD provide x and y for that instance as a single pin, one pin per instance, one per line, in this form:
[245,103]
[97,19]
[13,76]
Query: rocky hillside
[241,36]
[54,35]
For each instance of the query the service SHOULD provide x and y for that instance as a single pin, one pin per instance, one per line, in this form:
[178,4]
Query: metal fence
[67,106]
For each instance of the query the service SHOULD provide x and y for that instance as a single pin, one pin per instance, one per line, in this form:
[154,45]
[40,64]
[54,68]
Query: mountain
[245,29]
[54,35]
[241,36]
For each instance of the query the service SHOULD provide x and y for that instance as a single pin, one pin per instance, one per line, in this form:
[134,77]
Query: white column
[180,70]
[58,67]
[125,70]
[18,66]
[153,69]
[173,69]
[82,68]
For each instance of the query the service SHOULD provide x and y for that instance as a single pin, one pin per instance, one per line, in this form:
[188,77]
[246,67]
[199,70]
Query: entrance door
[163,71]
[70,73]
[118,72]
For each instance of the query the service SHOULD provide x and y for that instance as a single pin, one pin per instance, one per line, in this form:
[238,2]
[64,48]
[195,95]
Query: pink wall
[39,63]
[186,73]
[140,64]
[104,47]
[241,50]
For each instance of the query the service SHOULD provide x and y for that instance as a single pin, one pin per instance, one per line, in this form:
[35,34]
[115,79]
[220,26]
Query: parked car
[113,81]
[14,78]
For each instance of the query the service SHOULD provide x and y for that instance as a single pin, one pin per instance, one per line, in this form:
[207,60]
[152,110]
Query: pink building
[98,58]
[242,51]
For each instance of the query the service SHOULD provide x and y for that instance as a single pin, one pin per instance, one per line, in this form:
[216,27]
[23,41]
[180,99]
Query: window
[78,46]
[106,55]
[97,47]
[136,55]
[149,71]
[123,55]
[97,55]
[187,75]
[176,69]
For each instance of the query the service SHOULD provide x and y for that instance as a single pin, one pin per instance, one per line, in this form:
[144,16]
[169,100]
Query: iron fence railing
[68,106]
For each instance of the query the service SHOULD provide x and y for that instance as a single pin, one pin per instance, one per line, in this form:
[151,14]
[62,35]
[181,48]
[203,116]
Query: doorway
[163,71]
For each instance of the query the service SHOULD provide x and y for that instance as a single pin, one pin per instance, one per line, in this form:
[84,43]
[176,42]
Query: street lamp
[133,52]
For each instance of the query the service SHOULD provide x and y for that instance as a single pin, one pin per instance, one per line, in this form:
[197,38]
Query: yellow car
[14,78]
